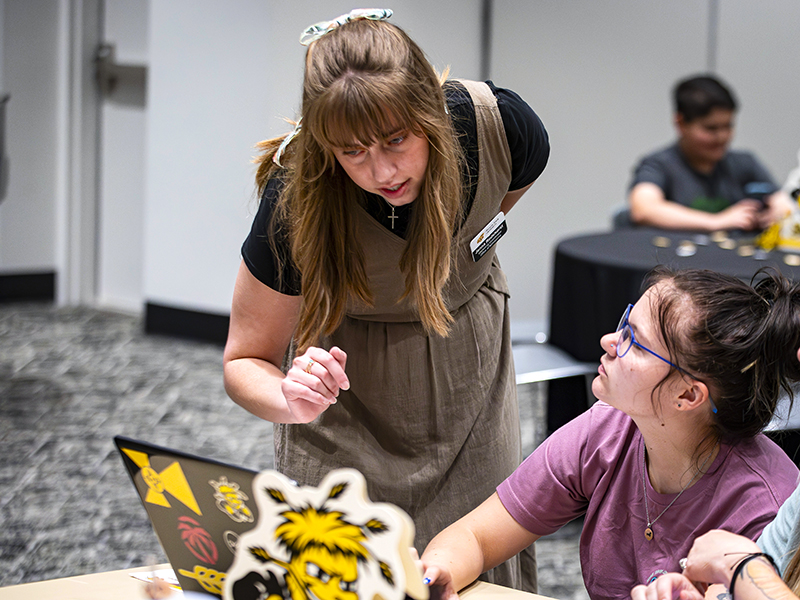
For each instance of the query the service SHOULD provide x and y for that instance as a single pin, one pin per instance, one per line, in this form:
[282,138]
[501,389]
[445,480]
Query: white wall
[2,19]
[122,147]
[221,76]
[600,75]
[30,74]
[760,55]
[206,97]
[221,80]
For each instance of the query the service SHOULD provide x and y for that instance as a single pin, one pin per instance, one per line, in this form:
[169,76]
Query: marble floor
[72,378]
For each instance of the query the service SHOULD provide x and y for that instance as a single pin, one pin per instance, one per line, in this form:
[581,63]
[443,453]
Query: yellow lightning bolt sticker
[171,480]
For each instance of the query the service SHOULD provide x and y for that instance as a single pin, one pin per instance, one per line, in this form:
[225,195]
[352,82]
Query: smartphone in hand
[759,190]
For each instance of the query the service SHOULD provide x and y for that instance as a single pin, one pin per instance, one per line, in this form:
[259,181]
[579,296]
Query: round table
[596,276]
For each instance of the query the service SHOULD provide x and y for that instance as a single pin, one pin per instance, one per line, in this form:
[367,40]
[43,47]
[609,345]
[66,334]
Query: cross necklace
[392,216]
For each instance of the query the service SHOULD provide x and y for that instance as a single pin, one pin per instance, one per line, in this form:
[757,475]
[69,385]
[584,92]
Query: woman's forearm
[758,580]
[255,385]
[456,552]
[479,541]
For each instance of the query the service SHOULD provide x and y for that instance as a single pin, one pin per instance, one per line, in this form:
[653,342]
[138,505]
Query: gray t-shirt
[781,537]
[737,176]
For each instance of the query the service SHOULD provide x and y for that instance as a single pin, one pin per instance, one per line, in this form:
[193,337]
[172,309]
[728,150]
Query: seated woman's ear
[694,396]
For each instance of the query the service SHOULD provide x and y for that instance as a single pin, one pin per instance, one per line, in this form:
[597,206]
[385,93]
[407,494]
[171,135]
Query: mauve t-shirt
[593,465]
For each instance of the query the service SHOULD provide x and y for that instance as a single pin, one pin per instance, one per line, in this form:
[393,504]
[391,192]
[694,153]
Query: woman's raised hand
[314,381]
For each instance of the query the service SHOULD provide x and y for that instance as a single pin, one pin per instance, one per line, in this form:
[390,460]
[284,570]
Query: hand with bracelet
[714,556]
[720,557]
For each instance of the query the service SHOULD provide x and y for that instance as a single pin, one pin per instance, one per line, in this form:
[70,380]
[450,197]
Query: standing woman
[360,255]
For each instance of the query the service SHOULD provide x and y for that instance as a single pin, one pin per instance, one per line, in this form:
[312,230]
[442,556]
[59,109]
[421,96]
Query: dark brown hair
[740,340]
[696,97]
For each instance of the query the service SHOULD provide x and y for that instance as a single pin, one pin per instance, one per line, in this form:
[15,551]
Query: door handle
[110,73]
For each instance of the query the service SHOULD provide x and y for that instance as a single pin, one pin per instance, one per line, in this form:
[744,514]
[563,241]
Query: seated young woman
[671,450]
[766,568]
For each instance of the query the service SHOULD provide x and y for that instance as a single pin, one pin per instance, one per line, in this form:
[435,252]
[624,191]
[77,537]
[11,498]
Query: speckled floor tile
[72,378]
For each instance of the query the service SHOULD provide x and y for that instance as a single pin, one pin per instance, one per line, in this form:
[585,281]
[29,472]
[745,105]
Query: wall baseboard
[19,287]
[190,324]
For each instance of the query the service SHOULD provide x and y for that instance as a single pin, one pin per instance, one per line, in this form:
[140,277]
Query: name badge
[488,236]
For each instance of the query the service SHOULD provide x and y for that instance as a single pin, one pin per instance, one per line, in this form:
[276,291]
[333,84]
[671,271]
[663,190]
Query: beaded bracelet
[744,561]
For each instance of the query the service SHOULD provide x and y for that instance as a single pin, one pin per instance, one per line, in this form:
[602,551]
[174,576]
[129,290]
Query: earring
[679,404]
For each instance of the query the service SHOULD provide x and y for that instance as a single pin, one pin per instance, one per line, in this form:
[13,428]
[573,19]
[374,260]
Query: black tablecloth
[596,276]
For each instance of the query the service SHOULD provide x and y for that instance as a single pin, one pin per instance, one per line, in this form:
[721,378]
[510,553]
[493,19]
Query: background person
[697,183]
[360,254]
[651,465]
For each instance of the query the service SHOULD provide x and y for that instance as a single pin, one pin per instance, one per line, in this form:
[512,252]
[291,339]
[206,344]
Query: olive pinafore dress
[432,422]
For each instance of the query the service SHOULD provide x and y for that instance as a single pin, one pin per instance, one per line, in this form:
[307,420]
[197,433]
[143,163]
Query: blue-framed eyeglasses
[627,339]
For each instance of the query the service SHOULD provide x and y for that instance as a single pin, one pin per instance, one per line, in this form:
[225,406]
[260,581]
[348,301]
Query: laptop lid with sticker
[250,535]
[198,508]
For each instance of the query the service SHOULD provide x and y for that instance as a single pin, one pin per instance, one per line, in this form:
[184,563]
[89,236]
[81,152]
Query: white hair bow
[317,30]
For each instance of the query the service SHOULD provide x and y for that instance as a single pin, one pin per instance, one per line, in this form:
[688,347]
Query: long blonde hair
[792,574]
[361,80]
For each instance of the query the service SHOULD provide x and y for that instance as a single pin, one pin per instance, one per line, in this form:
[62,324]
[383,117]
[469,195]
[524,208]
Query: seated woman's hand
[670,586]
[440,583]
[313,382]
[437,592]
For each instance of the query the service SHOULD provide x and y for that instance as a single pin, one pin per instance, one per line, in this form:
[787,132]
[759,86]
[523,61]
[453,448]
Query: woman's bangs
[361,115]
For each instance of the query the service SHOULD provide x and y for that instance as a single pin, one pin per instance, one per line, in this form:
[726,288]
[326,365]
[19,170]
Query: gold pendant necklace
[648,531]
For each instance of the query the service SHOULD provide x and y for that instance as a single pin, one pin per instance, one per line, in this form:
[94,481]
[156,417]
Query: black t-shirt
[527,140]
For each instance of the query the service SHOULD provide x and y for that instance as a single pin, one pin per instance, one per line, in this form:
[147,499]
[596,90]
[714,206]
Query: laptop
[206,516]
[198,508]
